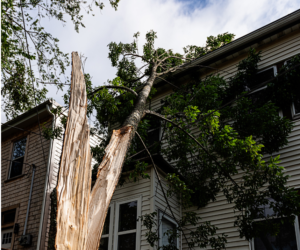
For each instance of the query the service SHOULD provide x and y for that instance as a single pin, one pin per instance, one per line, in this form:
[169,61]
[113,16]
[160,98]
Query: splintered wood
[81,215]
[74,183]
[107,178]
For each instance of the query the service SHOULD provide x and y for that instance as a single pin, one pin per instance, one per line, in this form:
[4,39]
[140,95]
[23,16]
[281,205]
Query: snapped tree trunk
[81,215]
[74,181]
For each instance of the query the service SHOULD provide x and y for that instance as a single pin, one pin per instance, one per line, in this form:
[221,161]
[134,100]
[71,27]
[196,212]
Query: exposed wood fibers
[81,214]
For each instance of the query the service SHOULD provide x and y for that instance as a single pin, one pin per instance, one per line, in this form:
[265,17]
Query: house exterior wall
[54,171]
[16,192]
[274,50]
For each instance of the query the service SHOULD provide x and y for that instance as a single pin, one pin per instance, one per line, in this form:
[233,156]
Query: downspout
[46,182]
[29,200]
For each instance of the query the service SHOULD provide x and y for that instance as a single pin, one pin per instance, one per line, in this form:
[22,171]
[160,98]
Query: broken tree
[218,152]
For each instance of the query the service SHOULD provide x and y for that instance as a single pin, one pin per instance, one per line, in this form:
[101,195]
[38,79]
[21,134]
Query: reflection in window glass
[18,158]
[103,244]
[8,217]
[128,216]
[285,240]
[261,77]
[127,241]
[167,226]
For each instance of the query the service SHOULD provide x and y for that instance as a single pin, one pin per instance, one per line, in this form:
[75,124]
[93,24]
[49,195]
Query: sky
[177,22]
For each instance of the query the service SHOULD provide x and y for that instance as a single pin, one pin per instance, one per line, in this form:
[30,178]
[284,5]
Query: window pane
[16,167]
[166,226]
[267,210]
[126,242]
[261,77]
[19,148]
[8,217]
[106,223]
[6,235]
[128,216]
[103,244]
[285,240]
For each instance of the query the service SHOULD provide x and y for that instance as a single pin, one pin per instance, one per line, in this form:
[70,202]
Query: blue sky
[177,22]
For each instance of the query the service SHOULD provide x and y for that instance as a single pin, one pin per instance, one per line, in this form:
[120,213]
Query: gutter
[243,42]
[46,183]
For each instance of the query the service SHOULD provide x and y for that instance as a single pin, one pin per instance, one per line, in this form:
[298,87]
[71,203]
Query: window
[18,154]
[7,225]
[287,238]
[106,238]
[166,224]
[261,77]
[127,226]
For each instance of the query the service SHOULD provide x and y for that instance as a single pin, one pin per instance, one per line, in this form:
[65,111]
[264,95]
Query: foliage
[25,43]
[217,130]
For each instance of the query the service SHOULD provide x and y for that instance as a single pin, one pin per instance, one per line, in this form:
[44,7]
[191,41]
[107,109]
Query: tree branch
[113,87]
[195,140]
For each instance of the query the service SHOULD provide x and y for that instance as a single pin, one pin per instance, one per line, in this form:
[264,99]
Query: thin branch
[159,181]
[130,54]
[142,151]
[113,87]
[195,140]
[168,82]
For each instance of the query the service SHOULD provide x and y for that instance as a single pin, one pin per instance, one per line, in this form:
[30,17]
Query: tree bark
[81,215]
[110,168]
[74,182]
[107,179]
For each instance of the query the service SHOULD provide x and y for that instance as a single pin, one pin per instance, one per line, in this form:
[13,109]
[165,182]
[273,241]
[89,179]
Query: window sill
[14,178]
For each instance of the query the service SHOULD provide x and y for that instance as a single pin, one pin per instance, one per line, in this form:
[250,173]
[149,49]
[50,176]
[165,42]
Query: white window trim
[294,114]
[138,225]
[111,224]
[296,225]
[162,215]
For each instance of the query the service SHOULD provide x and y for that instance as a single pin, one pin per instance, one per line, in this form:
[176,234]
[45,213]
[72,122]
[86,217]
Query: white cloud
[176,24]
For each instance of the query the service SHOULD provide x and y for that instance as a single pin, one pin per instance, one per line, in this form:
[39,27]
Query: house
[21,140]
[29,160]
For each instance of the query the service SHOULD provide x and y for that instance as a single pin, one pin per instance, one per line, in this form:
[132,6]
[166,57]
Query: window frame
[111,224]
[16,208]
[296,227]
[11,154]
[162,215]
[138,225]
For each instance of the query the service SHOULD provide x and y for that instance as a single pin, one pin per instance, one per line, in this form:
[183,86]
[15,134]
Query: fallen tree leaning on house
[216,141]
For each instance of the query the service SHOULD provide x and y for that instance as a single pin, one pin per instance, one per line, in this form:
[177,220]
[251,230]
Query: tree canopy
[214,134]
[25,43]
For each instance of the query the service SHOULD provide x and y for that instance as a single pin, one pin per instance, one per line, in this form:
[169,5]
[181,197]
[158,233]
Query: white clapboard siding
[220,213]
[130,190]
